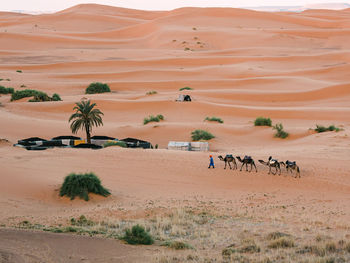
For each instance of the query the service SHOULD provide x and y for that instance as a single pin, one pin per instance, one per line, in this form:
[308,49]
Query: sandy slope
[241,64]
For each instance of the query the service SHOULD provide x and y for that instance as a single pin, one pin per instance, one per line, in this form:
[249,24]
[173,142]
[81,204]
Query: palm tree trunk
[88,136]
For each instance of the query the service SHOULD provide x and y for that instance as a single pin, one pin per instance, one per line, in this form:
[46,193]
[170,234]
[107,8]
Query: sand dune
[241,64]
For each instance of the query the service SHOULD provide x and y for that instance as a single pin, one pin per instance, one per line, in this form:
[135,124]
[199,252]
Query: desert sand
[241,64]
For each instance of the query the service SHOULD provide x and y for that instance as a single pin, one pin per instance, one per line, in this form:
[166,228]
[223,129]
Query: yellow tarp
[76,142]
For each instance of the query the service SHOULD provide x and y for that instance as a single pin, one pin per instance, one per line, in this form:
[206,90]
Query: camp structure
[183,146]
[136,143]
[184,98]
[189,146]
[32,141]
[88,146]
[200,146]
[68,140]
[36,143]
[101,140]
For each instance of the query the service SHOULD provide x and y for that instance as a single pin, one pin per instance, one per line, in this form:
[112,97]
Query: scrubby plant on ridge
[137,235]
[261,121]
[214,119]
[81,185]
[320,128]
[185,88]
[4,90]
[280,133]
[37,95]
[201,135]
[97,87]
[177,245]
[152,92]
[152,118]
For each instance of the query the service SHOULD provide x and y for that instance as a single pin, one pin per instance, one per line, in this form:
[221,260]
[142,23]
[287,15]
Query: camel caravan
[273,164]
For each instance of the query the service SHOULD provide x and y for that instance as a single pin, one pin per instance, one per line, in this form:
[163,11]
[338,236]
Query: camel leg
[225,165]
[235,164]
[256,170]
[275,170]
[246,167]
[242,166]
[279,168]
[230,165]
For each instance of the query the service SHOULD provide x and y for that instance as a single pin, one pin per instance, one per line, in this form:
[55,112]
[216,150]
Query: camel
[292,166]
[247,160]
[228,159]
[273,163]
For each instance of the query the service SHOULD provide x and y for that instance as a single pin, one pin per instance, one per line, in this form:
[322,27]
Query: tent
[183,146]
[88,146]
[136,143]
[184,98]
[189,146]
[31,141]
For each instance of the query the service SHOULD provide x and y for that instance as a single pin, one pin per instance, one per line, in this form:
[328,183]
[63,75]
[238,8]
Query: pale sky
[56,5]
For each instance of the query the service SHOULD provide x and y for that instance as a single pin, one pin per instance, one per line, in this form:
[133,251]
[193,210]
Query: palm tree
[85,117]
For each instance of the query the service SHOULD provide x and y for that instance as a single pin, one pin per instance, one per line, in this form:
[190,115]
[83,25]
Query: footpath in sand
[241,64]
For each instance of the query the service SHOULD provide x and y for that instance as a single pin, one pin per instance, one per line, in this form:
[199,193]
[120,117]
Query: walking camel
[273,163]
[228,159]
[247,160]
[293,166]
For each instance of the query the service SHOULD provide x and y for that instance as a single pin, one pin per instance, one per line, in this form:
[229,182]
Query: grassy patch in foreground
[4,90]
[137,235]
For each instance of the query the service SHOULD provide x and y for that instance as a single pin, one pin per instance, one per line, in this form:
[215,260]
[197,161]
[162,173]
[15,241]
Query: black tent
[97,137]
[66,137]
[31,141]
[136,143]
[88,146]
[187,98]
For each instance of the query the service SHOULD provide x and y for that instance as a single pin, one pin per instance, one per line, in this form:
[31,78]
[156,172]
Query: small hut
[200,146]
[136,143]
[182,146]
[184,98]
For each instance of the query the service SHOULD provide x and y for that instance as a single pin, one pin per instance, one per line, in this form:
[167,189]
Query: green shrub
[81,221]
[177,245]
[137,236]
[320,128]
[56,97]
[280,133]
[282,242]
[19,71]
[185,88]
[20,94]
[4,90]
[97,87]
[40,97]
[214,119]
[151,92]
[261,121]
[81,185]
[201,135]
[116,143]
[187,49]
[152,118]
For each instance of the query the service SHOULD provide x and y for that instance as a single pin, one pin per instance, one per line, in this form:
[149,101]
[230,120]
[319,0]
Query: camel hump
[247,157]
[229,155]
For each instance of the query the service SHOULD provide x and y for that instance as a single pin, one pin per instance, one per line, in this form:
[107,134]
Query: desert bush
[40,97]
[116,143]
[81,185]
[331,247]
[320,128]
[214,119]
[177,245]
[185,88]
[4,90]
[137,236]
[56,97]
[19,71]
[201,135]
[280,133]
[151,92]
[282,242]
[81,221]
[187,49]
[20,94]
[97,87]
[152,118]
[261,121]
[276,235]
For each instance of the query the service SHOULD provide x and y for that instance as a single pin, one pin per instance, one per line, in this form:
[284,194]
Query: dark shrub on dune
[81,185]
[137,236]
[4,90]
[97,87]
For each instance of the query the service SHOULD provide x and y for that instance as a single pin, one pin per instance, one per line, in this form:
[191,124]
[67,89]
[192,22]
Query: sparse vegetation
[201,135]
[282,242]
[320,128]
[81,221]
[20,94]
[116,143]
[185,88]
[214,119]
[177,245]
[280,133]
[23,86]
[137,236]
[56,97]
[151,92]
[152,118]
[81,185]
[187,49]
[4,90]
[261,121]
[19,71]
[97,87]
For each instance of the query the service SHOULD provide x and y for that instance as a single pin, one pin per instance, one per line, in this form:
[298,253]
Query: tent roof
[132,140]
[66,137]
[98,137]
[33,139]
